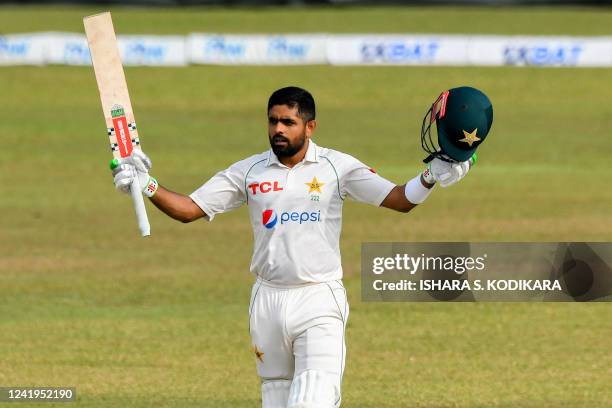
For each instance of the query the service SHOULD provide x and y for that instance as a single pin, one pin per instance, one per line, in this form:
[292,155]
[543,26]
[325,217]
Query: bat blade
[116,105]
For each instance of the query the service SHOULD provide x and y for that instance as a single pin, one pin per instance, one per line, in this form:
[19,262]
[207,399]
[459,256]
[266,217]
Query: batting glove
[447,173]
[126,169]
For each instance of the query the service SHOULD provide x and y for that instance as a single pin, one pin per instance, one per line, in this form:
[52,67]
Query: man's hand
[447,173]
[127,168]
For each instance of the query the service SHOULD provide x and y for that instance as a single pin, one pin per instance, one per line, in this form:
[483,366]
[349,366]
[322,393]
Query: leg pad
[315,389]
[275,393]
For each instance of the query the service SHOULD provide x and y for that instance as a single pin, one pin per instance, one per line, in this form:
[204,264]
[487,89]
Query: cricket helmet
[463,118]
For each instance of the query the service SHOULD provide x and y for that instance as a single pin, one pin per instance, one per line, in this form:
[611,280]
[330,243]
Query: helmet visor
[430,144]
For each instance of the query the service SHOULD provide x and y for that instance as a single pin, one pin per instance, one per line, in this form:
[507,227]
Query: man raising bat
[295,192]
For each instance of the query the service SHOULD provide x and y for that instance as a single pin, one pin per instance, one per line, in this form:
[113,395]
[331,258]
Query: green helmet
[463,119]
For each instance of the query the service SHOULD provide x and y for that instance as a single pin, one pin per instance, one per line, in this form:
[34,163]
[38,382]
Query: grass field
[163,321]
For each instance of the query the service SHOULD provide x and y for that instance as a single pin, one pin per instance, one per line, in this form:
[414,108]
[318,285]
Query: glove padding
[447,173]
[127,168]
[140,160]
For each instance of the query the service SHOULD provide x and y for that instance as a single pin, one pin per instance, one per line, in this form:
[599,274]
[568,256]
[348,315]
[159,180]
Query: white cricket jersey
[296,213]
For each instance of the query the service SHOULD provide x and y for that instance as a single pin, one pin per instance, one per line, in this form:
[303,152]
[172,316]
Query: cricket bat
[116,105]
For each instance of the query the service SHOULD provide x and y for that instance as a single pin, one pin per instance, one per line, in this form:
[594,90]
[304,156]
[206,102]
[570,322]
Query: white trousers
[299,329]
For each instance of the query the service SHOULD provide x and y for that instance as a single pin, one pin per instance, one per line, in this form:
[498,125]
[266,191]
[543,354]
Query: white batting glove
[140,160]
[447,173]
[126,169]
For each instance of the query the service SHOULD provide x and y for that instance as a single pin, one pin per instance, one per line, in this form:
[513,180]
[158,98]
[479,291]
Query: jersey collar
[311,155]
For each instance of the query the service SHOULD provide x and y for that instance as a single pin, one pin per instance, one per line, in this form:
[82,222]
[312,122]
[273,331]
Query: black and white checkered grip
[115,146]
[131,127]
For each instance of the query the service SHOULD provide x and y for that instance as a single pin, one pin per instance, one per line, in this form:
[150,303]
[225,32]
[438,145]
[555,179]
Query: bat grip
[139,208]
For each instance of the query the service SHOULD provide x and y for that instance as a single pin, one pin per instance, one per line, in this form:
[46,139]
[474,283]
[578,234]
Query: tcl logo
[264,187]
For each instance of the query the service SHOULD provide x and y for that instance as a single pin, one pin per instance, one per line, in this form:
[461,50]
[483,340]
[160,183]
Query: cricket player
[295,192]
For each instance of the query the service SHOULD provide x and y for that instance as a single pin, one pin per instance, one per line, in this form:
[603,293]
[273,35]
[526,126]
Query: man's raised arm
[405,197]
[175,205]
[178,206]
[397,199]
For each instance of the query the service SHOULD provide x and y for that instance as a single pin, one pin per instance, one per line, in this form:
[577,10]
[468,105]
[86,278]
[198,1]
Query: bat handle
[139,208]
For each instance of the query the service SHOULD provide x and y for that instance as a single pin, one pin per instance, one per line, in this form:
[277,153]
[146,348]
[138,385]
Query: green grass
[470,20]
[162,321]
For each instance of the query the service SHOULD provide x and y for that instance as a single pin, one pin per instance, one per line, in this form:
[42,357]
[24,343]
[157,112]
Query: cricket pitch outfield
[163,322]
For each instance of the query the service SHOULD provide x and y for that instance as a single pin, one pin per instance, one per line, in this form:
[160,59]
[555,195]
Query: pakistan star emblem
[314,185]
[259,354]
[470,137]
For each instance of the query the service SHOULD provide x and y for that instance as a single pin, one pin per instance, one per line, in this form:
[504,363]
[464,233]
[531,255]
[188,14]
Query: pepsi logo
[269,218]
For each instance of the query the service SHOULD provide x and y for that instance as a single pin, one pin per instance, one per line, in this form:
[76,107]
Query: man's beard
[288,149]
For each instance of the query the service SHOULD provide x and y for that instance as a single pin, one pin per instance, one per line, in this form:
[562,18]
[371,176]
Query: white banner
[470,50]
[22,49]
[67,49]
[257,49]
[541,51]
[305,49]
[72,49]
[397,50]
[166,50]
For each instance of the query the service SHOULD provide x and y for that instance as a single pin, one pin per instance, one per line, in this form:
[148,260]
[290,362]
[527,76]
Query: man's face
[287,131]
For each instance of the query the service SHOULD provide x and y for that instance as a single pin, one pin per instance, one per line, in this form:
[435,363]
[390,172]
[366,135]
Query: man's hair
[293,96]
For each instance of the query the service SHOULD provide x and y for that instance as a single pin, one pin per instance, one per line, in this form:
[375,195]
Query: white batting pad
[275,393]
[314,389]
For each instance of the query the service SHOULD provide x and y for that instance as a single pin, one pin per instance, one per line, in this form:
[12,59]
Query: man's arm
[177,206]
[219,194]
[396,199]
[405,198]
[363,184]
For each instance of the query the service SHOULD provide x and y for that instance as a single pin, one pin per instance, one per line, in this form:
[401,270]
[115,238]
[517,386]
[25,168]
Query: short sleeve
[364,185]
[358,181]
[223,192]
